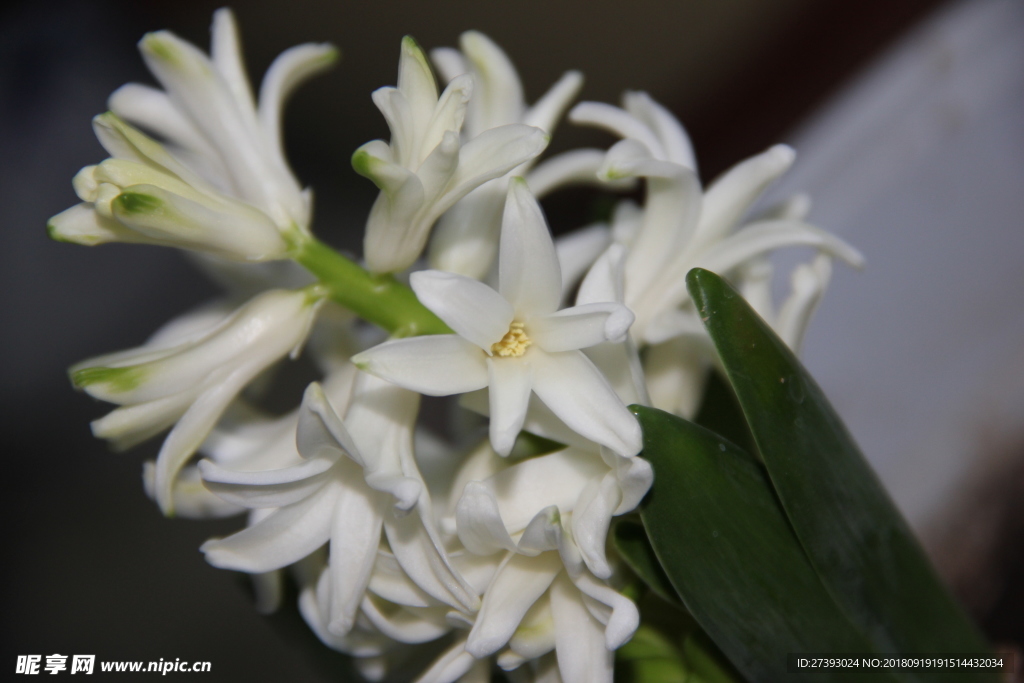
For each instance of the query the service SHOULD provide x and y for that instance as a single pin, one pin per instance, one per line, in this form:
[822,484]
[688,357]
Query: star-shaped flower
[515,340]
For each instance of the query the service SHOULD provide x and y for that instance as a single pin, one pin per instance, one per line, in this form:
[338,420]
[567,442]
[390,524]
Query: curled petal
[581,326]
[518,584]
[285,537]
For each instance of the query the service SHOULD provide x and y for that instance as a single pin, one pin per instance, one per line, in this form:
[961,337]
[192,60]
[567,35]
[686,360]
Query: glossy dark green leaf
[853,534]
[728,550]
[631,542]
[721,413]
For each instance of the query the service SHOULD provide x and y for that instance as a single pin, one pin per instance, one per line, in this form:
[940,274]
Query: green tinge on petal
[116,379]
[157,45]
[134,203]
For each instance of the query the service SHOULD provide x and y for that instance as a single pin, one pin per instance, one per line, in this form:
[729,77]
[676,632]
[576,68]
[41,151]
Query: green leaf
[630,541]
[728,550]
[854,536]
[649,657]
[721,413]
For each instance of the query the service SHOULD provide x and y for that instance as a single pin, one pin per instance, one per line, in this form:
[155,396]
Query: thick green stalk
[380,299]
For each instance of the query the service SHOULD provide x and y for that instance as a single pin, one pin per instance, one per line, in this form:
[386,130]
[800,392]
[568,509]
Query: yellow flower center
[513,344]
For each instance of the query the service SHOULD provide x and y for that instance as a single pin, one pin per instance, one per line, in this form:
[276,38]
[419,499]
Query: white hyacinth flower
[682,227]
[535,517]
[426,168]
[222,184]
[353,483]
[193,382]
[515,340]
[466,238]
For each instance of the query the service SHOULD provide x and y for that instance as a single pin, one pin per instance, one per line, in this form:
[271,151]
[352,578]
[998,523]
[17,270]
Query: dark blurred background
[90,566]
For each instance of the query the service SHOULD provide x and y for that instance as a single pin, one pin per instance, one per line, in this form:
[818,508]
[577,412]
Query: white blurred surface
[920,164]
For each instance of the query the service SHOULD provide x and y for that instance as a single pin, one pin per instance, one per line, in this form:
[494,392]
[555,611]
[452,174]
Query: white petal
[590,521]
[670,216]
[424,559]
[470,308]
[618,122]
[635,477]
[449,113]
[731,196]
[516,586]
[536,633]
[153,110]
[570,385]
[624,618]
[355,535]
[286,536]
[435,173]
[450,666]
[581,326]
[579,638]
[82,225]
[499,93]
[401,624]
[542,534]
[131,425]
[125,142]
[577,252]
[391,583]
[758,238]
[465,240]
[202,93]
[479,522]
[226,54]
[676,374]
[529,487]
[605,279]
[232,230]
[398,115]
[192,500]
[666,126]
[268,588]
[674,322]
[546,111]
[449,62]
[193,428]
[491,154]
[529,276]
[320,433]
[510,381]
[575,167]
[630,158]
[269,488]
[808,282]
[436,365]
[291,68]
[417,85]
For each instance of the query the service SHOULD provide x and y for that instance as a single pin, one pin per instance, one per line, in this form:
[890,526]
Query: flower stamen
[513,344]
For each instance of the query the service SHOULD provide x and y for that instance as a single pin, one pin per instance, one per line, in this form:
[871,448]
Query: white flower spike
[466,238]
[426,168]
[192,383]
[221,185]
[515,341]
[681,227]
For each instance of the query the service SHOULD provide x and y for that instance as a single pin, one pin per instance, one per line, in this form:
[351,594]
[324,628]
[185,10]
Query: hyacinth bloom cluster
[490,549]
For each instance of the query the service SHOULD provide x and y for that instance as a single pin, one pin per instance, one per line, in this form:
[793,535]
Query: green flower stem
[380,299]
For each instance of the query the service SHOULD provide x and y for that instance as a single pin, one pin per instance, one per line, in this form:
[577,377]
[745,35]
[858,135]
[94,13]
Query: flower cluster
[492,549]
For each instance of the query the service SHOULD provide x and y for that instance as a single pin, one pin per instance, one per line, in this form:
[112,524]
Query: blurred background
[906,115]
